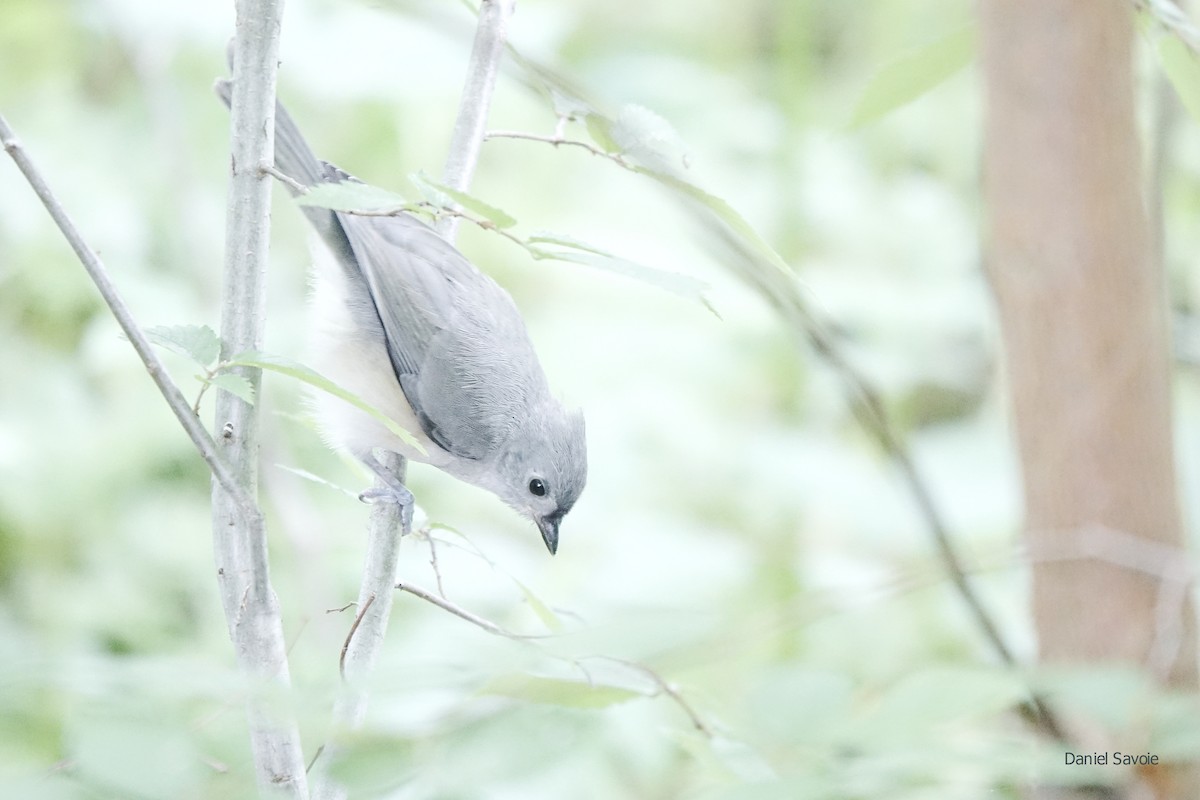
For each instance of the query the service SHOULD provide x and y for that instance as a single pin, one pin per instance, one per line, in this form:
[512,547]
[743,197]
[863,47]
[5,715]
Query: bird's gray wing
[456,340]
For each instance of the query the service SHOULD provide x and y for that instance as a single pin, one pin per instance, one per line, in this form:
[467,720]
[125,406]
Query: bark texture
[1083,313]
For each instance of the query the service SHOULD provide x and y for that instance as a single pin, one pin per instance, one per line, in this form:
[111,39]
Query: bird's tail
[293,156]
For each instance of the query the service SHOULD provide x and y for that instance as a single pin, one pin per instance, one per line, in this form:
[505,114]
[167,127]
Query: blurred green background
[741,535]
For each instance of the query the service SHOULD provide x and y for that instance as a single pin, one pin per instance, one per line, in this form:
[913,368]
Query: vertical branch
[1081,304]
[365,639]
[239,543]
[383,540]
[471,124]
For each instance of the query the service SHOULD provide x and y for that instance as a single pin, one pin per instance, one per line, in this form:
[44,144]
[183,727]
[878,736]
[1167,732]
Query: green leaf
[317,479]
[648,137]
[1183,71]
[911,76]
[577,252]
[539,608]
[197,342]
[352,196]
[233,383]
[302,373]
[930,697]
[725,212]
[471,203]
[558,692]
[547,237]
[599,127]
[371,764]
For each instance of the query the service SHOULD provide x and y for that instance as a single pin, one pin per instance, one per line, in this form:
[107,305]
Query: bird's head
[543,469]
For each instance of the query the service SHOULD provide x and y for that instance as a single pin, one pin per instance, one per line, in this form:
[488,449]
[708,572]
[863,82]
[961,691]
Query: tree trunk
[1083,315]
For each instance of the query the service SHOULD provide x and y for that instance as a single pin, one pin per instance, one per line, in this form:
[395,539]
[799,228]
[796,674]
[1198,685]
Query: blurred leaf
[317,479]
[234,384]
[938,695]
[543,611]
[133,756]
[352,196]
[648,137]
[372,765]
[725,212]
[197,342]
[798,705]
[292,369]
[1115,696]
[469,202]
[729,756]
[911,76]
[1175,735]
[568,105]
[558,692]
[1183,70]
[570,242]
[578,252]
[599,127]
[741,759]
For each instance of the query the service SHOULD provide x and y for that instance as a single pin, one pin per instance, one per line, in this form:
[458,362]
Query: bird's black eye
[537,487]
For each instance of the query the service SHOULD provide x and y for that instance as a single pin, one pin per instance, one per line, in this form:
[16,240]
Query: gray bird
[405,322]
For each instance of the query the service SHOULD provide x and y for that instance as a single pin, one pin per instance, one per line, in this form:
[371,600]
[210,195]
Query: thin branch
[379,574]
[471,122]
[116,304]
[664,687]
[364,640]
[874,419]
[463,614]
[439,213]
[557,139]
[783,292]
[283,177]
[350,635]
[433,559]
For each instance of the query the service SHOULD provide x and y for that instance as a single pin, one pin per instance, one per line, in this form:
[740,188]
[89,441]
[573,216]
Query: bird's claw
[390,490]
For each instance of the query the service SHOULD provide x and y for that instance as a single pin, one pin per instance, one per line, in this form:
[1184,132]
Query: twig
[116,304]
[471,122]
[433,561]
[439,213]
[463,614]
[283,177]
[350,635]
[558,139]
[664,687]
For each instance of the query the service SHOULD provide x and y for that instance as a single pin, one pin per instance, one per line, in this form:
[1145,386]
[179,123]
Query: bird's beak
[549,528]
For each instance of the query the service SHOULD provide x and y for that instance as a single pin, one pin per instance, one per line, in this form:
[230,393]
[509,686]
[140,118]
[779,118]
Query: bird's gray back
[457,342]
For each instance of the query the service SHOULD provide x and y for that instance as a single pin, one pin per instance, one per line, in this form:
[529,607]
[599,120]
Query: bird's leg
[393,491]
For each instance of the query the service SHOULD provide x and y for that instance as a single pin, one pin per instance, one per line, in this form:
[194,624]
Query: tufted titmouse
[405,322]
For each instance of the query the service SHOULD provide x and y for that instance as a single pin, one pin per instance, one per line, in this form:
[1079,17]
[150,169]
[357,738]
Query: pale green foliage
[911,76]
[309,376]
[739,535]
[1181,66]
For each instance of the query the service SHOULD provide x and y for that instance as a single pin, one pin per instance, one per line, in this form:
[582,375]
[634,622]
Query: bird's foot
[392,491]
